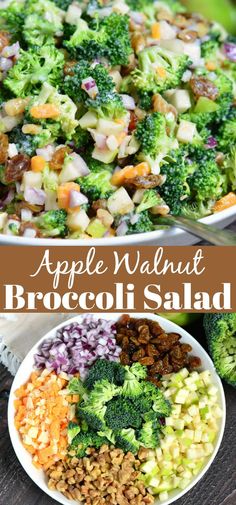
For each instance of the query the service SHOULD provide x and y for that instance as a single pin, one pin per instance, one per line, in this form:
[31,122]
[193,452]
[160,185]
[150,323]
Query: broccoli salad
[111,427]
[112,114]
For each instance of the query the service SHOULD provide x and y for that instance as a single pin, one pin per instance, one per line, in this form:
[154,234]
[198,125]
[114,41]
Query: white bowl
[23,375]
[173,236]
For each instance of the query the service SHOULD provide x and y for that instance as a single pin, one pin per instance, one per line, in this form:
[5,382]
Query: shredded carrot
[42,416]
[156,31]
[129,172]
[210,65]
[38,163]
[45,111]
[63,194]
[225,202]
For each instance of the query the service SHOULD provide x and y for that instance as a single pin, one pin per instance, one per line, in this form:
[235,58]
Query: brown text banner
[83,279]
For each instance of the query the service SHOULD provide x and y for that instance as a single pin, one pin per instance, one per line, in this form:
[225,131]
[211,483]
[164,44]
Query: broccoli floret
[96,185]
[160,405]
[97,166]
[150,199]
[148,435]
[230,168]
[159,69]
[151,133]
[207,183]
[43,21]
[93,414]
[80,139]
[103,369]
[210,50]
[83,441]
[127,441]
[221,336]
[108,105]
[106,38]
[53,223]
[63,4]
[33,68]
[121,413]
[103,391]
[227,134]
[82,70]
[76,387]
[27,144]
[142,225]
[72,430]
[145,100]
[12,20]
[175,189]
[133,375]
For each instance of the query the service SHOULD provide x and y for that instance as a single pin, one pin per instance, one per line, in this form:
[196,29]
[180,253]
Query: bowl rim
[168,325]
[140,238]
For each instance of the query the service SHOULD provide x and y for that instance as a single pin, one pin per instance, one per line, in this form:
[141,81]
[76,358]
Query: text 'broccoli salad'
[112,113]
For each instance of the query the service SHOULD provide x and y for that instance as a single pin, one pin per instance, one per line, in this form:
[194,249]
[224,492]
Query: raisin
[58,158]
[188,35]
[124,319]
[69,67]
[138,355]
[3,147]
[124,358]
[99,204]
[204,87]
[155,381]
[4,40]
[151,350]
[186,348]
[194,362]
[141,182]
[147,361]
[16,167]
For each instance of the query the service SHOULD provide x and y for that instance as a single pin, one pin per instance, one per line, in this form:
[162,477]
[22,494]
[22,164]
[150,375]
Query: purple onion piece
[211,143]
[230,51]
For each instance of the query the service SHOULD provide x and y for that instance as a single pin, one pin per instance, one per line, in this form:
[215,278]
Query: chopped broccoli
[43,21]
[97,166]
[104,369]
[221,336]
[160,405]
[108,105]
[96,185]
[150,199]
[12,20]
[142,225]
[132,386]
[210,50]
[227,133]
[103,391]
[151,133]
[207,183]
[148,435]
[121,413]
[230,168]
[93,414]
[80,139]
[159,69]
[145,100]
[52,223]
[73,430]
[127,441]
[76,387]
[33,68]
[82,70]
[63,4]
[83,441]
[27,144]
[106,38]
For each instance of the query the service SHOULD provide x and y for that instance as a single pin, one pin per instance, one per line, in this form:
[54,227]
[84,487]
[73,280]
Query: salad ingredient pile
[112,113]
[112,432]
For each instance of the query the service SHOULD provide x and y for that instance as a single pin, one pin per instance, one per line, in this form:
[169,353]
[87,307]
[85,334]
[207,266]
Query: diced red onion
[211,143]
[122,229]
[89,85]
[128,102]
[46,152]
[26,214]
[79,164]
[10,51]
[29,232]
[77,346]
[8,199]
[5,64]
[230,51]
[35,196]
[77,198]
